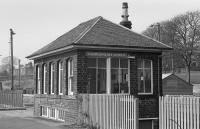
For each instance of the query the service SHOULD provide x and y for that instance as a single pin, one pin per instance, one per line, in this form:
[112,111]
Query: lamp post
[158,29]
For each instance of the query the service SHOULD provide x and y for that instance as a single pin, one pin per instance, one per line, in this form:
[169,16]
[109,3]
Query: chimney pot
[125,22]
[124,5]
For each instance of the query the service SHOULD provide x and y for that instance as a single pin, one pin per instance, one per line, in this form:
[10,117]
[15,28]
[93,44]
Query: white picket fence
[179,112]
[112,111]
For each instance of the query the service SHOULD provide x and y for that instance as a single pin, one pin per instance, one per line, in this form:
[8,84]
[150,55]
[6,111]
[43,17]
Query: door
[145,124]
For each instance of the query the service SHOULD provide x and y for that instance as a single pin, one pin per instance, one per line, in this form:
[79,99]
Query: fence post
[136,114]
[160,112]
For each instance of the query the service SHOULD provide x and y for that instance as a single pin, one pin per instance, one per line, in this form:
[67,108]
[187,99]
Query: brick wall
[148,104]
[82,76]
[133,77]
[69,104]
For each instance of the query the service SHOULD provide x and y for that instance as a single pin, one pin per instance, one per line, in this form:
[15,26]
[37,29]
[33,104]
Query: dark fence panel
[11,99]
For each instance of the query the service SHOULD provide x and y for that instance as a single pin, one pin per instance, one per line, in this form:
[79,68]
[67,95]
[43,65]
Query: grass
[25,83]
[195,76]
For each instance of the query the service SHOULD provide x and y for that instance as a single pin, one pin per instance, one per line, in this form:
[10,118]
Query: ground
[24,119]
[195,76]
[195,80]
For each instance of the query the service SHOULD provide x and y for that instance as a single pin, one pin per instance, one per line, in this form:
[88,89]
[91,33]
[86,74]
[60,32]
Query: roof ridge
[139,34]
[87,30]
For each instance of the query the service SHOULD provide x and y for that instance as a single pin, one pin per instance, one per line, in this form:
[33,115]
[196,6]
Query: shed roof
[101,32]
[165,76]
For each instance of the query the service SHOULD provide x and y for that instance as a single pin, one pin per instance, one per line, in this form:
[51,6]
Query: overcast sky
[38,22]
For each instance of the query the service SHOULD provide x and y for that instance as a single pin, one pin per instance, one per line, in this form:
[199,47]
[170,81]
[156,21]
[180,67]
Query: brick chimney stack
[125,22]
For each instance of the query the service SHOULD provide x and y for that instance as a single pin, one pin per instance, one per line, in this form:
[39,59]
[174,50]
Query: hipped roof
[100,32]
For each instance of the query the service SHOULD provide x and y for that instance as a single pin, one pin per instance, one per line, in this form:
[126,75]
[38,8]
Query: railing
[111,111]
[11,99]
[179,112]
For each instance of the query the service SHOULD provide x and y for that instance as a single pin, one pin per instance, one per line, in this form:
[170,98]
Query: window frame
[143,69]
[97,68]
[70,68]
[119,69]
[59,77]
[108,73]
[44,67]
[52,74]
[38,83]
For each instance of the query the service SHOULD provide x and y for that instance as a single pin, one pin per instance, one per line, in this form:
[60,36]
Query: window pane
[124,81]
[140,81]
[91,62]
[102,63]
[148,80]
[123,63]
[114,63]
[38,79]
[44,78]
[92,80]
[147,63]
[101,81]
[61,80]
[114,81]
[71,67]
[60,76]
[52,78]
[139,64]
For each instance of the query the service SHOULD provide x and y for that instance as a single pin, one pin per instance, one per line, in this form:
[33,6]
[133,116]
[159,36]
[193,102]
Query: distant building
[25,70]
[173,85]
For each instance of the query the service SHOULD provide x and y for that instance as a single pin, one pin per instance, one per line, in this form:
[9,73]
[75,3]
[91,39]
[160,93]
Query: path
[23,119]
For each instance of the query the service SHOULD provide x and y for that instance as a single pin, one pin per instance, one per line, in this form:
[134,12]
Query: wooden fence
[111,111]
[179,112]
[11,99]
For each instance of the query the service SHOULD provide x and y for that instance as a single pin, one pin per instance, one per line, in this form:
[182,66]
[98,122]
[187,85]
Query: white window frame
[51,79]
[38,80]
[60,70]
[150,93]
[44,78]
[119,70]
[70,76]
[108,74]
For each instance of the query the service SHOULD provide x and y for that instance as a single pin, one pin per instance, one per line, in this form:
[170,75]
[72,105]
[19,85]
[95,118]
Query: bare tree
[167,36]
[187,37]
[182,33]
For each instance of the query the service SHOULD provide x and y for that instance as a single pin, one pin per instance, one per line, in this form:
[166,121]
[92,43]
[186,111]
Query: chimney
[125,22]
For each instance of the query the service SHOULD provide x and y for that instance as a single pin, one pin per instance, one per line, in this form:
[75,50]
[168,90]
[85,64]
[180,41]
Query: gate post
[136,113]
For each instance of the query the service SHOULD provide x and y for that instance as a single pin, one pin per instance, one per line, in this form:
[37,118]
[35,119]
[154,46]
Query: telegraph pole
[11,49]
[19,73]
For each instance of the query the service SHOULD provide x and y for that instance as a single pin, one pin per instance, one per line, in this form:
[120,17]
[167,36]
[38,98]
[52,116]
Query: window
[70,76]
[52,78]
[44,78]
[145,77]
[38,79]
[119,75]
[60,77]
[97,75]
